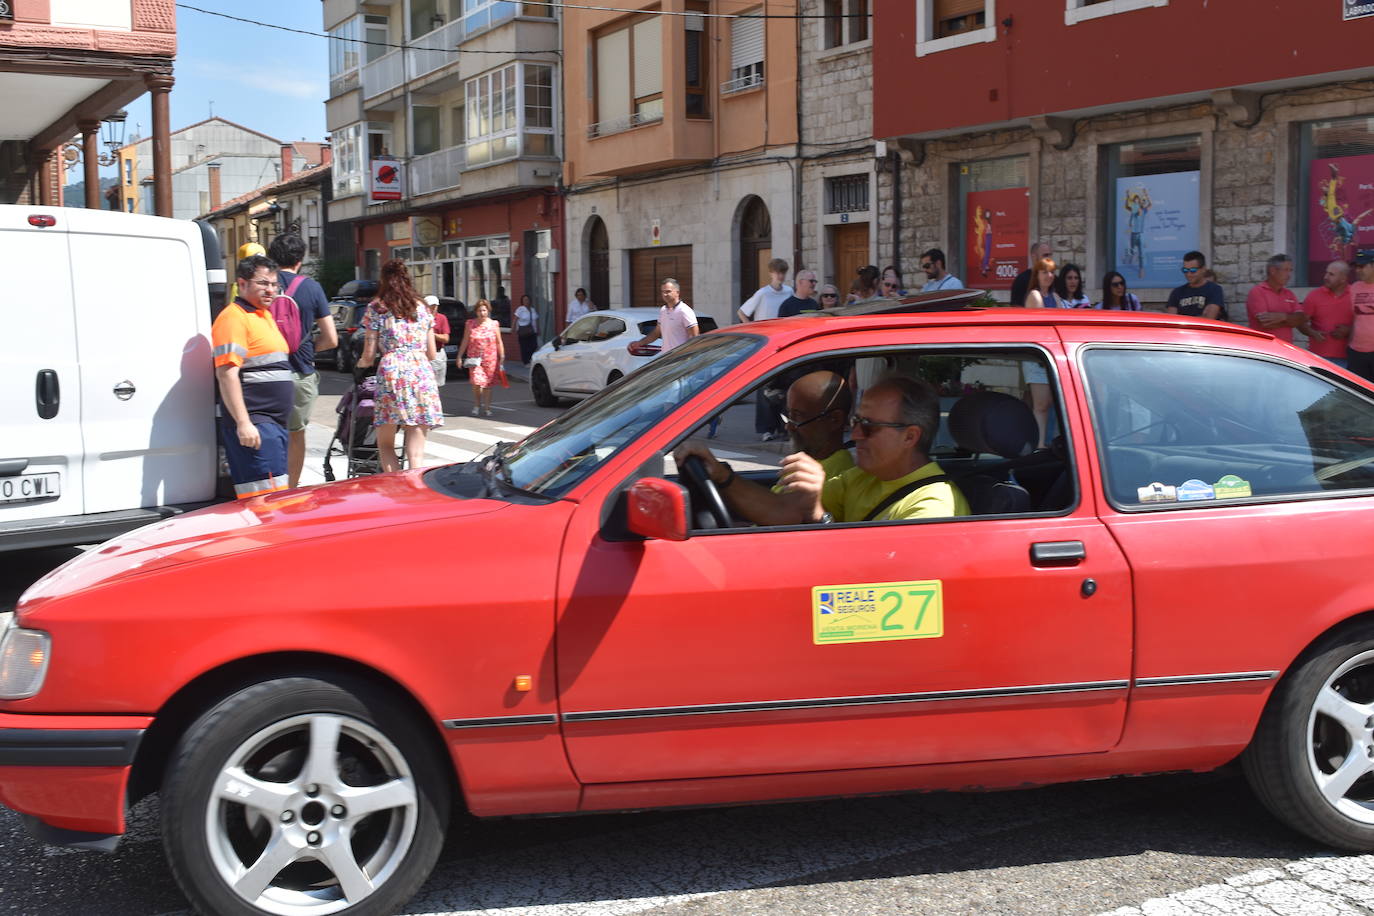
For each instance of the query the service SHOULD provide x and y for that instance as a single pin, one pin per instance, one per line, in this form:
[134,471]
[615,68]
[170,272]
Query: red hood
[263,521]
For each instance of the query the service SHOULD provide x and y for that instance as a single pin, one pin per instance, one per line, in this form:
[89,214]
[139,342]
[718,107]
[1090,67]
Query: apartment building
[445,123]
[682,152]
[1126,132]
[67,65]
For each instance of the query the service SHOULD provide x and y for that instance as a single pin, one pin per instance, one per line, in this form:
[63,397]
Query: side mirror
[657,508]
[558,343]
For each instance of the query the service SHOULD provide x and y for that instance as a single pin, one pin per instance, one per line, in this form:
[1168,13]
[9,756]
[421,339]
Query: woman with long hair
[1114,295]
[868,282]
[1069,288]
[1042,295]
[400,327]
[483,353]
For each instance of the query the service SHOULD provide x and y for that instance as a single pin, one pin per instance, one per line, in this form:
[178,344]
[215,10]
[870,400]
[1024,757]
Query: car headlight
[23,659]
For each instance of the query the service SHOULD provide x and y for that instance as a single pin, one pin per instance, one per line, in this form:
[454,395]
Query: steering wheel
[704,489]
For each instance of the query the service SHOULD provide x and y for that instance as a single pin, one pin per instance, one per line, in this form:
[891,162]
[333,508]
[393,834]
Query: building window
[505,105]
[846,22]
[353,43]
[697,67]
[1336,201]
[484,268]
[634,51]
[846,194]
[994,221]
[538,130]
[128,171]
[457,125]
[424,126]
[943,25]
[746,52]
[1153,195]
[349,164]
[1080,10]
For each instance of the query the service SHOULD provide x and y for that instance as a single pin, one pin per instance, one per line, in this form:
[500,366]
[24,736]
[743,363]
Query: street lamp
[112,133]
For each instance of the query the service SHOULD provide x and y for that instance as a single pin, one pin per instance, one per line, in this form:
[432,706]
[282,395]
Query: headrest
[990,421]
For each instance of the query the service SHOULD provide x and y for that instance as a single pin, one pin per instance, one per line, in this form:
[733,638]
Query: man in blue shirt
[937,277]
[288,250]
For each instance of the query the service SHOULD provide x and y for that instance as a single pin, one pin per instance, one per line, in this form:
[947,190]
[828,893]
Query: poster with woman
[996,237]
[1341,191]
[1156,225]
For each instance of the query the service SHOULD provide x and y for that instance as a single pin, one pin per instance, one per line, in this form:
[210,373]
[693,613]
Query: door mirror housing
[558,342]
[657,508]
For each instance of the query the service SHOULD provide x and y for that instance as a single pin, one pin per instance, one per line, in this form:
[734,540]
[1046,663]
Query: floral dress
[483,344]
[406,391]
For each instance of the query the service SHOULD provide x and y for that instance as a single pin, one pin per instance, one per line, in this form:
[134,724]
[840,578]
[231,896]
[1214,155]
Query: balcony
[617,125]
[437,171]
[384,74]
[433,50]
[740,84]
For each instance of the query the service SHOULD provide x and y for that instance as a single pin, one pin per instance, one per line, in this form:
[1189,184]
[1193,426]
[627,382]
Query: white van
[107,406]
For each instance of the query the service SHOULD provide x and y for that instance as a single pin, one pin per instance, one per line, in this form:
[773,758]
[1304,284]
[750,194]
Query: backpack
[287,314]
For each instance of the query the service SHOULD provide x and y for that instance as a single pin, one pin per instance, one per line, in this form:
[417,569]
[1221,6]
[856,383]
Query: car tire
[1311,762]
[539,385]
[615,376]
[352,830]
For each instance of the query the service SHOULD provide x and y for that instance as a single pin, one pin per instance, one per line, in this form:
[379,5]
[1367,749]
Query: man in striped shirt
[255,387]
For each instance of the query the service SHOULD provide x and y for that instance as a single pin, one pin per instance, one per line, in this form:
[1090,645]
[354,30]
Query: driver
[896,422]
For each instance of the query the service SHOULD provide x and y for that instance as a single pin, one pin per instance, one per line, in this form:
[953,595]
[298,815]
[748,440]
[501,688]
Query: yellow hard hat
[248,249]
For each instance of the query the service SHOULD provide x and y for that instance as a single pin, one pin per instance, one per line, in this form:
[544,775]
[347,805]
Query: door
[599,265]
[41,450]
[570,365]
[147,396]
[538,280]
[756,248]
[849,242]
[649,267]
[701,658]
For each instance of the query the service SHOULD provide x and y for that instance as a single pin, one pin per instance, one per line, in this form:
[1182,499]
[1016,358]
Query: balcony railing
[616,125]
[742,83]
[433,50]
[383,74]
[437,171]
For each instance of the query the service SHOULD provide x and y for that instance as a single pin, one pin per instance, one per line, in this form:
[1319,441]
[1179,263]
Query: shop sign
[1340,217]
[996,237]
[1156,225]
[427,230]
[6,10]
[387,179]
[1357,9]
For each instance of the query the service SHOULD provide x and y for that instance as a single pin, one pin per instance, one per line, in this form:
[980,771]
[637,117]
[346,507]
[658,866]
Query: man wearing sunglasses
[894,480]
[1198,295]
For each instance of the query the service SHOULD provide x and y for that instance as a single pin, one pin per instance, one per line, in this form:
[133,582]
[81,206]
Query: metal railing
[437,171]
[616,125]
[433,50]
[742,83]
[383,74]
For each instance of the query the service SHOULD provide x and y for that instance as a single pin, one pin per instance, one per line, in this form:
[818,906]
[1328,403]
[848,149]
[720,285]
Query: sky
[271,81]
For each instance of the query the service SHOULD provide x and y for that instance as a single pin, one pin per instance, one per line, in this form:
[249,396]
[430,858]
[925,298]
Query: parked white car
[592,353]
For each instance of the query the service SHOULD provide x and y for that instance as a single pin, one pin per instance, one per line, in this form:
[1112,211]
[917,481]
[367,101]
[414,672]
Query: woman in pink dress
[400,327]
[483,354]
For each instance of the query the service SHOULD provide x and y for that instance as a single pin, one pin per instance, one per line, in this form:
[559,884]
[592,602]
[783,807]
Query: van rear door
[40,382]
[147,395]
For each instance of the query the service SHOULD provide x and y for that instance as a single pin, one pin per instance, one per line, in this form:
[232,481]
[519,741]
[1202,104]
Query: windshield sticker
[877,612]
[1191,490]
[1232,487]
[1157,493]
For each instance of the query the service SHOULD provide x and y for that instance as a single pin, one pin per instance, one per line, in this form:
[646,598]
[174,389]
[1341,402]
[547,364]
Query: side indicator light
[523,683]
[42,221]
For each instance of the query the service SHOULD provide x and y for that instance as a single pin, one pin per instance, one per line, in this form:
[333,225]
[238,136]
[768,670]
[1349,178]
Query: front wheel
[539,385]
[1312,759]
[615,376]
[304,796]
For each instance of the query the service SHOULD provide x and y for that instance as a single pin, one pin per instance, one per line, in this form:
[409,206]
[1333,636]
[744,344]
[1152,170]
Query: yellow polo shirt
[839,461]
[850,496]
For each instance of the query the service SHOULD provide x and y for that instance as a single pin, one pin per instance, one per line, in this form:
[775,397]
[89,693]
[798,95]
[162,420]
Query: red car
[1176,581]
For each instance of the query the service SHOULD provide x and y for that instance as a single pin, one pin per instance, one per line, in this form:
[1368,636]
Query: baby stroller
[355,438]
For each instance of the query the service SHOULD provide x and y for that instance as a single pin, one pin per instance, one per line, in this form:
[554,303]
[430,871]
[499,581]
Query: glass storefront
[468,270]
[994,221]
[1152,194]
[1336,194]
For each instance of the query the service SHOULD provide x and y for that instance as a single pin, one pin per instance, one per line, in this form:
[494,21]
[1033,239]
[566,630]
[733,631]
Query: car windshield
[558,456]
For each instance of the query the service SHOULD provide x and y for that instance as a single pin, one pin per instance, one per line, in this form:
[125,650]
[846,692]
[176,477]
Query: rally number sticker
[877,611]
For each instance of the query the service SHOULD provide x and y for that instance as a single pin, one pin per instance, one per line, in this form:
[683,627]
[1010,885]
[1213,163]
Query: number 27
[923,593]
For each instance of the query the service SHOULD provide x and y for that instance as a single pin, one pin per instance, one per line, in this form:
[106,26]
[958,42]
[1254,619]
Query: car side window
[608,328]
[1189,428]
[583,329]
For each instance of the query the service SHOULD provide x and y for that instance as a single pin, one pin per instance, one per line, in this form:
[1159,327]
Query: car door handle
[1057,553]
[124,390]
[47,393]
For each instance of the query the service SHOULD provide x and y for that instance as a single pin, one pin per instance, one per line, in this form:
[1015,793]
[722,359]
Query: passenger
[897,421]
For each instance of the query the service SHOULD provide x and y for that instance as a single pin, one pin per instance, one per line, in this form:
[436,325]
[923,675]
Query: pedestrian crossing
[460,439]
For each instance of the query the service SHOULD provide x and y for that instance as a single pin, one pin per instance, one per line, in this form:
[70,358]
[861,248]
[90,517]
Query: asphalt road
[1188,845]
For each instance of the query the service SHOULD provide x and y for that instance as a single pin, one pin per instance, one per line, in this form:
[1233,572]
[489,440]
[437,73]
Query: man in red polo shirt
[1329,314]
[1271,305]
[1361,353]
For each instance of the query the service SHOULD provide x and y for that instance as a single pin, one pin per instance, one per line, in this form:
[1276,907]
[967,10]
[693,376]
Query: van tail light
[42,221]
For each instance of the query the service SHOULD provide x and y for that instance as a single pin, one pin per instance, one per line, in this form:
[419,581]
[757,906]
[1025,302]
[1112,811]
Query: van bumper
[68,775]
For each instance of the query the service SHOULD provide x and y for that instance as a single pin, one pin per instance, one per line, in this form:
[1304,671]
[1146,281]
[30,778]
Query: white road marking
[1320,886]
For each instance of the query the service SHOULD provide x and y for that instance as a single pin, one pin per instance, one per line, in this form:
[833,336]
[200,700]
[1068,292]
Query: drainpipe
[796,167]
[896,162]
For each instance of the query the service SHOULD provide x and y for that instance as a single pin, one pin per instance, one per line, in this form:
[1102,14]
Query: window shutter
[648,57]
[746,42]
[948,9]
[612,63]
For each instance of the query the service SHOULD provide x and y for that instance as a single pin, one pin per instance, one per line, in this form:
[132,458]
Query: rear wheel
[1312,759]
[304,796]
[543,392]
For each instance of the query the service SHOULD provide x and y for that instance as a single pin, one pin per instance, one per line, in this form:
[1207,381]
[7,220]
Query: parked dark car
[363,291]
[348,316]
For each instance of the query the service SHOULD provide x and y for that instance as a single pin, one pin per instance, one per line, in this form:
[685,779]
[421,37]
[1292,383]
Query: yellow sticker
[877,611]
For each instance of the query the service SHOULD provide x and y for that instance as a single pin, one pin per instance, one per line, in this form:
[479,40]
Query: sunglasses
[830,295]
[866,426]
[926,266]
[1191,270]
[829,406]
[1118,283]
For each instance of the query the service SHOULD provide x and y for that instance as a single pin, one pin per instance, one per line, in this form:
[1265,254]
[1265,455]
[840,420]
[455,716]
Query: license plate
[27,487]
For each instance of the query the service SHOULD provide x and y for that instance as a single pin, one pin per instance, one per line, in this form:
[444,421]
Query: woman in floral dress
[402,330]
[483,353]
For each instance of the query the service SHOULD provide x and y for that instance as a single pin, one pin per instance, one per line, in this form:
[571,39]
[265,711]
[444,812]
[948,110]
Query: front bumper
[68,775]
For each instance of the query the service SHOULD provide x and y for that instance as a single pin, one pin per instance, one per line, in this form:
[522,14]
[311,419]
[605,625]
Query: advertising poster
[997,236]
[1156,225]
[386,179]
[1341,213]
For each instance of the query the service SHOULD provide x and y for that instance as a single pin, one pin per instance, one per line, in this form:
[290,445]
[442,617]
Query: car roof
[630,314]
